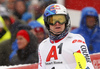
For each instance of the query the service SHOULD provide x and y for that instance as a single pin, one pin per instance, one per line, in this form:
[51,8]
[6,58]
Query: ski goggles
[52,20]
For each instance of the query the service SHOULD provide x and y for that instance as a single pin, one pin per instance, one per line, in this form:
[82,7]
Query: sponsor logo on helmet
[55,7]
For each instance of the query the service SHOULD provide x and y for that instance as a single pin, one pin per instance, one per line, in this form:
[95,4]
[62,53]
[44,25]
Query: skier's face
[57,28]
[57,23]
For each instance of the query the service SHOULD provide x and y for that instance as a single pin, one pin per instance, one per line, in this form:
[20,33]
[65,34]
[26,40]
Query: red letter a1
[52,53]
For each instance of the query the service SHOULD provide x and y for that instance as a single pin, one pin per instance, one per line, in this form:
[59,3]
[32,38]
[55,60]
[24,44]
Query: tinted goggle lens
[52,20]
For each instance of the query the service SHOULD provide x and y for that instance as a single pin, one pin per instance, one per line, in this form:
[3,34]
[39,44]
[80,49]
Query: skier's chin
[57,33]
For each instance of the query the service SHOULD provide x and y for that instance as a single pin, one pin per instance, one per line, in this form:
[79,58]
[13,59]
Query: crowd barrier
[24,66]
[32,66]
[95,58]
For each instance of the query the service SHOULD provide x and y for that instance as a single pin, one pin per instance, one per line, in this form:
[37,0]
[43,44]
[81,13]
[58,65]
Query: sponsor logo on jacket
[85,53]
[78,41]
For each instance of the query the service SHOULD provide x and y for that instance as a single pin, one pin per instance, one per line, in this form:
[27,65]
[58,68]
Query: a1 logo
[53,52]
